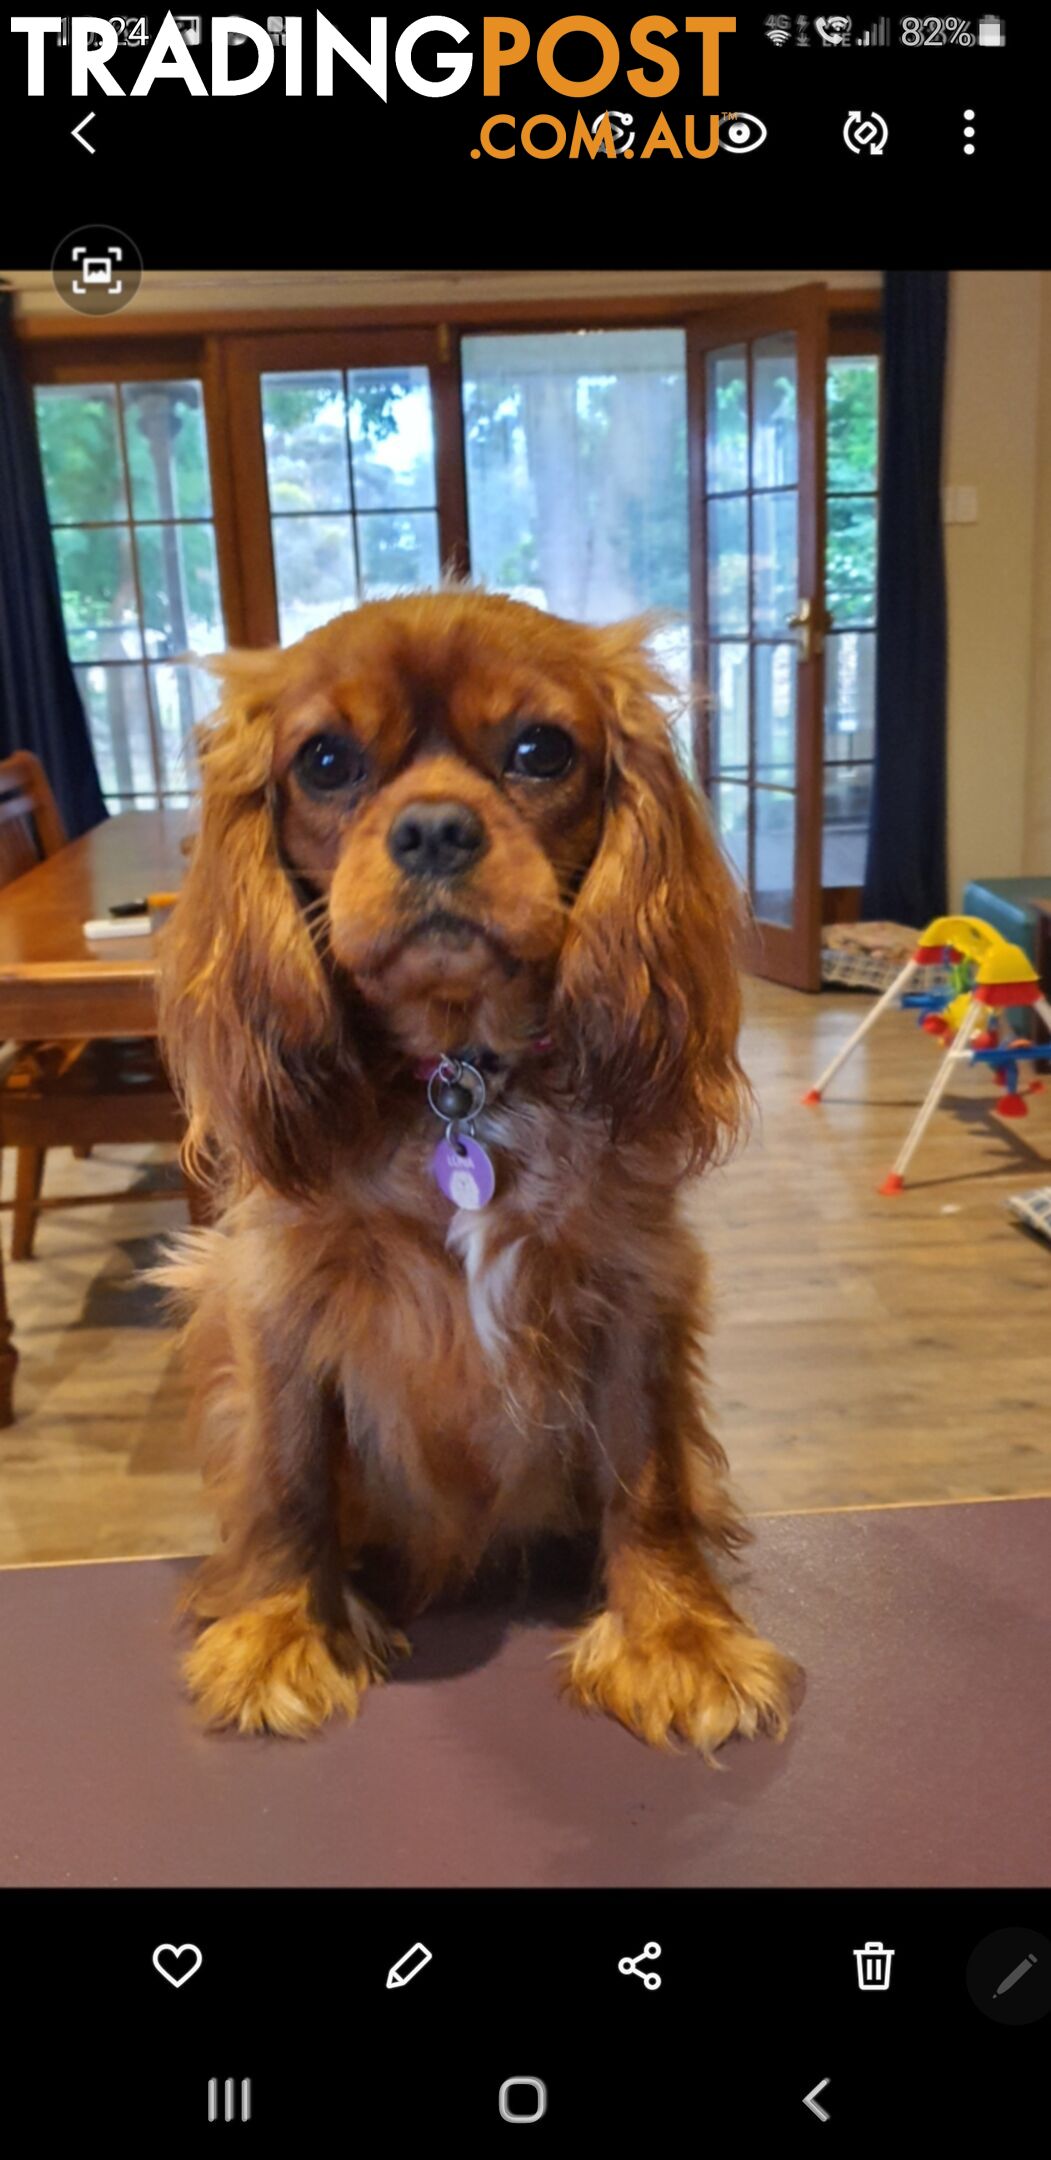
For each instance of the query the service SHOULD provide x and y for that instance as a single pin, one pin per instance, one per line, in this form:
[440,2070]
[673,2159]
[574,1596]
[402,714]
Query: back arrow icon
[79,133]
[810,2101]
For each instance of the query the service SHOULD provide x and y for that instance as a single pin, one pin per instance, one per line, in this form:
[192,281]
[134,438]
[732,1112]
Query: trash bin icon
[873,1967]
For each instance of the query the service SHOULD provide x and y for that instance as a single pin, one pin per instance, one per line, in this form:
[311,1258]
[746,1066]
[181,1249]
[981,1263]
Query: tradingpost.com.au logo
[570,64]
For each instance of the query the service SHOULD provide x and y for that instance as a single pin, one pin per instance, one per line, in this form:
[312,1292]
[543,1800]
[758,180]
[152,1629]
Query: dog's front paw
[272,1668]
[701,1682]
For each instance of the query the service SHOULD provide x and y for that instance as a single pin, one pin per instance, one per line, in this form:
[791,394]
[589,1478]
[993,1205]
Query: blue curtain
[40,708]
[905,878]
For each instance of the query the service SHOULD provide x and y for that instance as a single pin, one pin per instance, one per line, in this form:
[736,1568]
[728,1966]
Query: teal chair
[1006,904]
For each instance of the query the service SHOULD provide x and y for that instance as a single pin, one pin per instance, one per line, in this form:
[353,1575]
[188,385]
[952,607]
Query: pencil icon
[408,1966]
[1017,1974]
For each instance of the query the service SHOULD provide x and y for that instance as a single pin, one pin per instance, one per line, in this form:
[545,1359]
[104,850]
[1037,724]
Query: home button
[523,2099]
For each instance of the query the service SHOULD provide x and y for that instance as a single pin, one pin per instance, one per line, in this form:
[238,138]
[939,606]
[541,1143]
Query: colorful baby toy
[987,976]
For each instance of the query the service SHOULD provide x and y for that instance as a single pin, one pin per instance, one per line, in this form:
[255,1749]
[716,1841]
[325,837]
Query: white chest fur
[490,1268]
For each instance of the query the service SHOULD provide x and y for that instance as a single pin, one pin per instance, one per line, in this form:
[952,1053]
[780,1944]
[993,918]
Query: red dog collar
[425,1068]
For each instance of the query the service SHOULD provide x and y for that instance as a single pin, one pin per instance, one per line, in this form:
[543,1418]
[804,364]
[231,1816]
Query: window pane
[576,468]
[852,416]
[727,420]
[848,791]
[852,410]
[775,568]
[670,646]
[775,839]
[98,592]
[729,799]
[397,553]
[850,568]
[392,437]
[681,726]
[775,432]
[776,668]
[114,700]
[305,433]
[728,735]
[727,564]
[80,453]
[315,571]
[850,695]
[158,554]
[182,696]
[167,450]
[179,579]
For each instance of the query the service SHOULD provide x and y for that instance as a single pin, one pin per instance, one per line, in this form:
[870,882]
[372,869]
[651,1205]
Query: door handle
[811,621]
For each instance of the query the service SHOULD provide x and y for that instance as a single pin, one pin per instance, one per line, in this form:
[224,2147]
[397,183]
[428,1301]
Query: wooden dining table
[58,985]
[54,982]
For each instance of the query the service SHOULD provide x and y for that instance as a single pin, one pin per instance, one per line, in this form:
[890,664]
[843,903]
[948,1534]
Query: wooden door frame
[245,360]
[791,955]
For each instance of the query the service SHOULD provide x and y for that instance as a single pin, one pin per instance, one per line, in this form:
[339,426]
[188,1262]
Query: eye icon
[740,131]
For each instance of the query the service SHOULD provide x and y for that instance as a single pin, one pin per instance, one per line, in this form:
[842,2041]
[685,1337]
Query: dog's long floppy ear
[252,1032]
[648,992]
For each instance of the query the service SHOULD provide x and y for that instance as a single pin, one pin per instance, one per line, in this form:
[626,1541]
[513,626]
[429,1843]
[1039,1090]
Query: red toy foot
[812,1095]
[1011,1106]
[891,1184]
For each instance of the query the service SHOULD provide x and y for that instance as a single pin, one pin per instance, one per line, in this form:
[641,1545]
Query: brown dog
[453,826]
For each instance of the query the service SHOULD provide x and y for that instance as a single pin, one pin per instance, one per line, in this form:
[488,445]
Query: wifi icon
[779,29]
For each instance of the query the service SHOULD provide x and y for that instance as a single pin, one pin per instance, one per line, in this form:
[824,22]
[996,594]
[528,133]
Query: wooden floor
[865,1350]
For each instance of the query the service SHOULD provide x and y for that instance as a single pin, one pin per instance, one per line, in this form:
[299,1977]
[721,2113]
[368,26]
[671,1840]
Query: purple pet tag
[465,1172]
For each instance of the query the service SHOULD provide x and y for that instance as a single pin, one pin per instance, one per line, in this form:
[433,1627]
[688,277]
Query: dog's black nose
[436,839]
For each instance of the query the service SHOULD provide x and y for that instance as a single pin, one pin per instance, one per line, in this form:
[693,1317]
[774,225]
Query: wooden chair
[66,1094]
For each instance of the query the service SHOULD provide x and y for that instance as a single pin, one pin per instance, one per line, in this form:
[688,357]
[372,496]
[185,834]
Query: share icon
[631,1965]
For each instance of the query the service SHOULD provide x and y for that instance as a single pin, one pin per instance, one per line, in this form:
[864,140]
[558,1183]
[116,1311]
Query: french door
[345,465]
[757,493]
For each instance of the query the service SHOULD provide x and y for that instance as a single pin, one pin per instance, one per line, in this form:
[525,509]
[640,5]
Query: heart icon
[166,1956]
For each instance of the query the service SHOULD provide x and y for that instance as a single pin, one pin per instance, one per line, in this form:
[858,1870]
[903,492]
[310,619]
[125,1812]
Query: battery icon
[991,30]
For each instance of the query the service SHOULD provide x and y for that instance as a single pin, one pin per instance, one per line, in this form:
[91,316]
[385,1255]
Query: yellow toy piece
[997,962]
[953,1015]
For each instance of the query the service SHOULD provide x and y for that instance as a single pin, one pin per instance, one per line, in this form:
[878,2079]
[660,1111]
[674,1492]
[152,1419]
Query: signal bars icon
[878,33]
[230,2096]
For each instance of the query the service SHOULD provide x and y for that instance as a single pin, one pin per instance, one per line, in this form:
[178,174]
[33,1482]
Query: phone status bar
[910,32]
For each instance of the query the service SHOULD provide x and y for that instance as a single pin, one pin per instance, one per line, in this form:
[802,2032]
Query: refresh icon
[866,131]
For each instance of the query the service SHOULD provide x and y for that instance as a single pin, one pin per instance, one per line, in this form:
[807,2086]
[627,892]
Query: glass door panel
[757,517]
[576,452]
[352,489]
[346,460]
[852,420]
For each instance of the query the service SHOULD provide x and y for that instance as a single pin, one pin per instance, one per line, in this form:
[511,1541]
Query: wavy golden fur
[442,824]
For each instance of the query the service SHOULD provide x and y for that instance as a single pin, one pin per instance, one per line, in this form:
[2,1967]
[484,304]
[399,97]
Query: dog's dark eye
[541,752]
[327,763]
